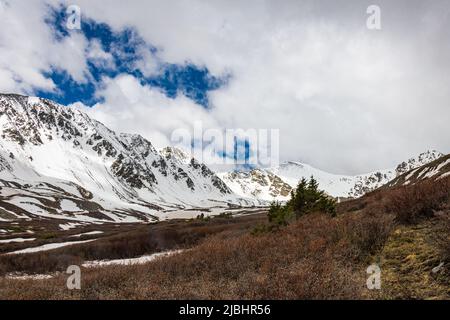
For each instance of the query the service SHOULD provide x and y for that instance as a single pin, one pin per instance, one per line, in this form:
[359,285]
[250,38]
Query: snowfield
[92,233]
[17,240]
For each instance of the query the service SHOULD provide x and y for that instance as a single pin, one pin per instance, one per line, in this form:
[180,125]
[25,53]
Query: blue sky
[126,47]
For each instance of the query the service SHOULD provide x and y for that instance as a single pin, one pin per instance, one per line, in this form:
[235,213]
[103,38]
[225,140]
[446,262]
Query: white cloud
[98,56]
[28,48]
[130,107]
[148,64]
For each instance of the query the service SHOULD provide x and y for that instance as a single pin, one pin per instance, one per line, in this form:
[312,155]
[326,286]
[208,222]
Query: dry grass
[315,258]
[141,240]
[407,261]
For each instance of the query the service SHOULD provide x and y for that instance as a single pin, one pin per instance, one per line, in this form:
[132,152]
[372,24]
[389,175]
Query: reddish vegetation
[134,242]
[315,257]
[421,200]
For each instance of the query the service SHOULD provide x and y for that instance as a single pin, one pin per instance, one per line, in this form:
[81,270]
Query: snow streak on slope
[56,162]
[435,170]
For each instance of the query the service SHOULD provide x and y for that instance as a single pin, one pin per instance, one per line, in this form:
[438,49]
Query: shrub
[443,238]
[367,234]
[412,203]
[48,235]
[261,229]
[305,260]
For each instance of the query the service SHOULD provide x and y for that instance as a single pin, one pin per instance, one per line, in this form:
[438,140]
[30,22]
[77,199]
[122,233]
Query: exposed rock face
[259,184]
[4,165]
[183,160]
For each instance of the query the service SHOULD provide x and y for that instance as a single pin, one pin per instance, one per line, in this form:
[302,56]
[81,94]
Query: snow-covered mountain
[276,183]
[57,162]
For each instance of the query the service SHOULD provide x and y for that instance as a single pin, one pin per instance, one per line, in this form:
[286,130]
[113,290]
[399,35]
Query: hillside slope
[437,169]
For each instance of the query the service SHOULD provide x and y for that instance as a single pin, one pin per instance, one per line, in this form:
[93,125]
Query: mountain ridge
[435,170]
[259,181]
[126,178]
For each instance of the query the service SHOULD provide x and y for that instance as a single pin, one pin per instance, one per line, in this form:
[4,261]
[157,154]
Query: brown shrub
[412,203]
[442,238]
[367,235]
[316,257]
[313,258]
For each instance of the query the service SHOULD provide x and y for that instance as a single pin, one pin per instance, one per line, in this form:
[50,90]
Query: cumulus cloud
[28,48]
[98,56]
[132,107]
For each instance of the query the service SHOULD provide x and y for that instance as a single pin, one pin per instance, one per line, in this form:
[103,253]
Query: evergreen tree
[280,215]
[306,198]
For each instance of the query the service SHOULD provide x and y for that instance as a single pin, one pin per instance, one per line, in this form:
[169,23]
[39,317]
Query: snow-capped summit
[258,183]
[56,161]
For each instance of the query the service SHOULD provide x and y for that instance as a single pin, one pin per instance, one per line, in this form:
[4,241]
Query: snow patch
[86,234]
[69,206]
[17,240]
[34,100]
[132,261]
[13,276]
[50,246]
[69,226]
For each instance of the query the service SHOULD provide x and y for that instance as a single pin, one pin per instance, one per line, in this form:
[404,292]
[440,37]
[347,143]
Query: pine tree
[279,215]
[305,199]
